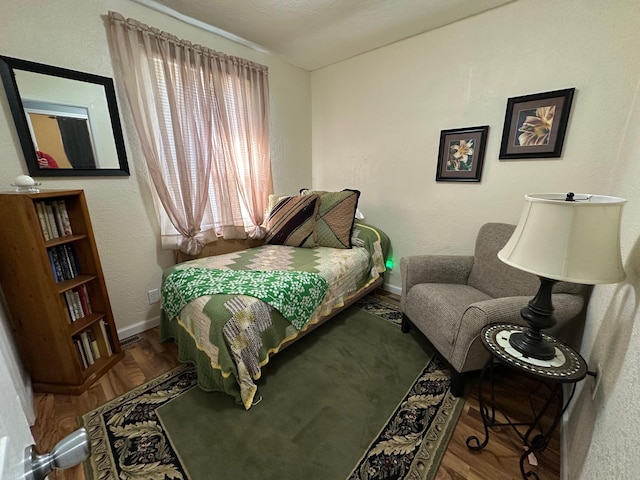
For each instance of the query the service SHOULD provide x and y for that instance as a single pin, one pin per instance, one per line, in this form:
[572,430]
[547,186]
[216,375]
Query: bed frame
[350,301]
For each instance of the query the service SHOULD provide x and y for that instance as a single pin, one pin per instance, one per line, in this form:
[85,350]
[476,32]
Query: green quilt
[296,295]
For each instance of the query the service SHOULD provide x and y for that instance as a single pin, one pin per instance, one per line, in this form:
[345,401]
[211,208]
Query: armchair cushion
[447,303]
[449,269]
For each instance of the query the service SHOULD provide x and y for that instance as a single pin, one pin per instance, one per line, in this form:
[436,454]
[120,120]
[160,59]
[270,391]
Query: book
[77,304]
[77,308]
[87,298]
[59,254]
[95,350]
[105,335]
[83,358]
[66,259]
[80,292]
[51,221]
[40,211]
[70,260]
[57,217]
[57,273]
[70,307]
[53,266]
[74,260]
[62,206]
[86,346]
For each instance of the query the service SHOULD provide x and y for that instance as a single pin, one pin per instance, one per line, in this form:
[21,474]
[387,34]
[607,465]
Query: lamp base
[539,315]
[531,344]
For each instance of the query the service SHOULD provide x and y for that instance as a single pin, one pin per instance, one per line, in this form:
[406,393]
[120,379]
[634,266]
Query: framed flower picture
[534,125]
[461,154]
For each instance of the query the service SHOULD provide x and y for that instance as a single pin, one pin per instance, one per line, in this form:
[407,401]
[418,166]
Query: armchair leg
[458,382]
[406,324]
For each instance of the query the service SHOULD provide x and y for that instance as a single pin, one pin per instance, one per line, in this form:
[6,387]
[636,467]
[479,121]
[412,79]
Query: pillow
[273,200]
[335,217]
[292,221]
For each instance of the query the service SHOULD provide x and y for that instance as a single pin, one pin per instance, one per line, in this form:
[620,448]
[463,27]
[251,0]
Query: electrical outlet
[154,296]
[596,381]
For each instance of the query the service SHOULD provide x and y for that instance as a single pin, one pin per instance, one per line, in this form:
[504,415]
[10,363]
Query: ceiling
[315,33]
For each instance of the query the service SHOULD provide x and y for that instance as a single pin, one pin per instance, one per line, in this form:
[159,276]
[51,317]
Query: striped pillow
[292,221]
[335,217]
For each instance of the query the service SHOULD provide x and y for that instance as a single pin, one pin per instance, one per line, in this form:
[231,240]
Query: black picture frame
[118,165]
[455,162]
[535,125]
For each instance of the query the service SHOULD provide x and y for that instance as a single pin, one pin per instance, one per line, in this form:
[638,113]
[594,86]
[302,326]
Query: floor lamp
[562,237]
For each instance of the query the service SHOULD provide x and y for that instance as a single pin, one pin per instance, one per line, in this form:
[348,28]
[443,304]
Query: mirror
[67,121]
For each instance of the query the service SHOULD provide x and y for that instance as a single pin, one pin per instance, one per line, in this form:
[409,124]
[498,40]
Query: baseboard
[139,327]
[392,288]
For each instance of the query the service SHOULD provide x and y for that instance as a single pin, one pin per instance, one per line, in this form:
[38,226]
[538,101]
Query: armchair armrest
[504,309]
[507,309]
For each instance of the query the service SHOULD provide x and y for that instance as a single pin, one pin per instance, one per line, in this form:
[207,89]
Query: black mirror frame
[7,64]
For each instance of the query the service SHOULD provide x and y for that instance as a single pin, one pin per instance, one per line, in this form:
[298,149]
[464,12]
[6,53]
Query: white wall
[376,127]
[72,34]
[377,118]
[612,339]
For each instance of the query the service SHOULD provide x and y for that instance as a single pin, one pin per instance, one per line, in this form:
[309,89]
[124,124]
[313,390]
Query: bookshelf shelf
[83,323]
[65,285]
[63,240]
[52,279]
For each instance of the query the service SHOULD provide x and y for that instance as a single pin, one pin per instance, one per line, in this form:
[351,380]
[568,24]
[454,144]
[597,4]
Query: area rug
[390,417]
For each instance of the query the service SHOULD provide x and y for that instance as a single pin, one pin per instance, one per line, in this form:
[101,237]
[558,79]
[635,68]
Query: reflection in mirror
[60,135]
[67,121]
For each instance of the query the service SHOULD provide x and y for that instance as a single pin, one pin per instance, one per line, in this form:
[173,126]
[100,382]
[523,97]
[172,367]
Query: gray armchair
[450,298]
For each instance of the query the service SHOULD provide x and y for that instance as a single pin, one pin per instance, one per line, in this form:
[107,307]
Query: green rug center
[324,399]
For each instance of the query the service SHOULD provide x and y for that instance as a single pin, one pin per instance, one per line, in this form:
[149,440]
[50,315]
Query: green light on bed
[389,263]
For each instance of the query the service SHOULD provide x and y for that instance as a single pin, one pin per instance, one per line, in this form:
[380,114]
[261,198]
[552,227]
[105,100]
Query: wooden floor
[57,416]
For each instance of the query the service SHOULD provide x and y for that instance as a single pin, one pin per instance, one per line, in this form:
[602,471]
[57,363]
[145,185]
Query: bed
[220,309]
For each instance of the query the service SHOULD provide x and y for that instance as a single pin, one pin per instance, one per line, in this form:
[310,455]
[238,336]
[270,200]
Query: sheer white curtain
[203,122]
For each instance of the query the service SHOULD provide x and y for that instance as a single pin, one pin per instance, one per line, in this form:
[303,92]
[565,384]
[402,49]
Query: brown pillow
[335,217]
[292,221]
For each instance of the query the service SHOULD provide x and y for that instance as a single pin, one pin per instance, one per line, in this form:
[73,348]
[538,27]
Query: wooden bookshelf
[53,303]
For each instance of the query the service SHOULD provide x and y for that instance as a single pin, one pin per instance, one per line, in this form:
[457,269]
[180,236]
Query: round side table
[567,366]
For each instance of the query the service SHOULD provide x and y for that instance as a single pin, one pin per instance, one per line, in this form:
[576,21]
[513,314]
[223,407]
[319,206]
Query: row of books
[53,218]
[64,262]
[78,302]
[87,345]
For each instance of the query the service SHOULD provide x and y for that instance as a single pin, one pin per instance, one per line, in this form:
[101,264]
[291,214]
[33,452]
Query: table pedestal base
[539,430]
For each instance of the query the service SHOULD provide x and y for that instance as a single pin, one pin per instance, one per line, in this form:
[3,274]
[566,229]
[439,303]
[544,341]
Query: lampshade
[575,241]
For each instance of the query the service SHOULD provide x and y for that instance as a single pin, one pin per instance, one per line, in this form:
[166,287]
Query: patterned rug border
[382,307]
[142,438]
[409,446]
